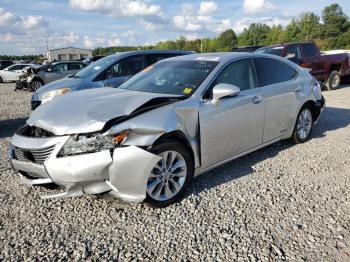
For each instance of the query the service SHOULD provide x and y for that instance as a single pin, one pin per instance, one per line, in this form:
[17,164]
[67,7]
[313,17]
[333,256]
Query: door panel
[279,84]
[280,103]
[232,127]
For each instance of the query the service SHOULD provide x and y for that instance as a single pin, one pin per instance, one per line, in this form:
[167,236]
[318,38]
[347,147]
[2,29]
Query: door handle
[298,89]
[257,99]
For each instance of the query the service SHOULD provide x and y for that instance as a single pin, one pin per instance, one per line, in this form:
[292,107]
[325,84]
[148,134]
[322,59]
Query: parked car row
[176,118]
[109,71]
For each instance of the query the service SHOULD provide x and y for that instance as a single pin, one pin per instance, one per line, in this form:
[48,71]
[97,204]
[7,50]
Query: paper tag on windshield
[208,58]
[97,68]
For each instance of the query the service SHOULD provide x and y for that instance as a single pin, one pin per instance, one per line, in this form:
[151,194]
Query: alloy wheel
[167,177]
[304,124]
[335,81]
[36,85]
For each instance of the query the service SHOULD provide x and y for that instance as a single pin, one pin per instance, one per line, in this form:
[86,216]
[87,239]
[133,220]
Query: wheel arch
[314,109]
[38,79]
[177,136]
[335,67]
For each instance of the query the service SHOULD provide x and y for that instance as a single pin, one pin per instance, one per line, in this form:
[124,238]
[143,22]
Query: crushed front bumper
[21,84]
[124,171]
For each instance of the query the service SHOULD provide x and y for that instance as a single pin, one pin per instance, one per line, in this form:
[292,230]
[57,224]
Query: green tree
[226,41]
[256,34]
[310,27]
[334,20]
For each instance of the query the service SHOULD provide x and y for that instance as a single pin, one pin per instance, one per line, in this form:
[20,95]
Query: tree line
[329,31]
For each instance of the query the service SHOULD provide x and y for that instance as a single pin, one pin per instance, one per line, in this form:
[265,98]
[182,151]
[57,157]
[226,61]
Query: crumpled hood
[88,110]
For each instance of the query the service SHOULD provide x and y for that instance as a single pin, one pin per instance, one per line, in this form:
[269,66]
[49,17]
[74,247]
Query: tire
[35,85]
[1,81]
[161,180]
[304,122]
[333,81]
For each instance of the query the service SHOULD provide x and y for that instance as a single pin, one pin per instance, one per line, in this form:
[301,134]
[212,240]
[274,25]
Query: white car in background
[12,73]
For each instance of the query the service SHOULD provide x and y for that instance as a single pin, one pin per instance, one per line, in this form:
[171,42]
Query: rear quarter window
[271,71]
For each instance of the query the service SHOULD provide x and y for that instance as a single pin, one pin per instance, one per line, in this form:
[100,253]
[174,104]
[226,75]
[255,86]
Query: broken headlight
[90,143]
[48,96]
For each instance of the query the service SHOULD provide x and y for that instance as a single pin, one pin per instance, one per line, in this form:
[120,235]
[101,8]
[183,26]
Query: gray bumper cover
[125,172]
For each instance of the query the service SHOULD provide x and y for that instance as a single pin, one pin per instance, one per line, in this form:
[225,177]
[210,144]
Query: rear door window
[154,58]
[75,66]
[59,67]
[271,71]
[15,67]
[309,50]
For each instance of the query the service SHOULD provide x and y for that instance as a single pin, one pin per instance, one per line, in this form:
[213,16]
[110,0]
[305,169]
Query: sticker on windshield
[187,90]
[208,58]
[97,68]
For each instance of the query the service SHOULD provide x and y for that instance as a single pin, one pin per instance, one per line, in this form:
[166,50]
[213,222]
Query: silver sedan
[146,140]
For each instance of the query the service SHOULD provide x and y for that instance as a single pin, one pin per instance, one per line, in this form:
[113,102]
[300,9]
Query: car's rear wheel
[35,85]
[333,81]
[170,176]
[303,125]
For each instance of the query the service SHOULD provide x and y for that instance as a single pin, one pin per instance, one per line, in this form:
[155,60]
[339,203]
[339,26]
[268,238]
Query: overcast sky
[26,25]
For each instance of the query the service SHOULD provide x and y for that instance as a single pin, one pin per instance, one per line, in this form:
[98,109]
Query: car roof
[218,57]
[153,51]
[68,61]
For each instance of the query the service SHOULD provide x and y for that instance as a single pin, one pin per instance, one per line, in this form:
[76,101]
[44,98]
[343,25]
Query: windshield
[171,77]
[94,69]
[271,50]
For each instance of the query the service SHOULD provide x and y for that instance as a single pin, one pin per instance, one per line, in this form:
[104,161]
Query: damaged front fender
[129,172]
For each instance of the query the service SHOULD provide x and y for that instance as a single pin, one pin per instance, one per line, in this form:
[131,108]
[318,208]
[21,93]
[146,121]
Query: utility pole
[47,49]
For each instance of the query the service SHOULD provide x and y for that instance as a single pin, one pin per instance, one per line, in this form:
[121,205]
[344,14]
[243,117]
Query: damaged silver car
[183,116]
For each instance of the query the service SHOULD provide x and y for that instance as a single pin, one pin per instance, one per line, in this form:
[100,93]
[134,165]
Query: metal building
[68,53]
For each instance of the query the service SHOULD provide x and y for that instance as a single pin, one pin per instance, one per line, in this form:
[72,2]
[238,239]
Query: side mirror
[290,56]
[224,90]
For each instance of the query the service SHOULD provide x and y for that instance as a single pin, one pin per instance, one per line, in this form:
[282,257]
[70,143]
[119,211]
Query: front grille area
[37,156]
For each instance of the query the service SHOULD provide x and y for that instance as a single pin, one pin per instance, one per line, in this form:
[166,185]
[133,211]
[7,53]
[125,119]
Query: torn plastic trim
[129,172]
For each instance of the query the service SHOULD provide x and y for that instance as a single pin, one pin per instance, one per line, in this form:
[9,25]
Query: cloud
[258,6]
[7,18]
[207,8]
[117,8]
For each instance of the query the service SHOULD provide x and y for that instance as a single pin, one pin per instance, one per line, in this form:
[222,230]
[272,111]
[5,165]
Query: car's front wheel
[303,125]
[35,85]
[170,176]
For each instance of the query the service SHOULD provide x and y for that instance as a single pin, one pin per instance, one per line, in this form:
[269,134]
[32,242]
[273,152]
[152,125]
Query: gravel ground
[284,202]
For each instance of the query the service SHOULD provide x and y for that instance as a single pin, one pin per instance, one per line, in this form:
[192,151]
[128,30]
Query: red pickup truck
[326,68]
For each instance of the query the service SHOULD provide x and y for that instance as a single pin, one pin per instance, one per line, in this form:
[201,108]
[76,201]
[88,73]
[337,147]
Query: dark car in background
[40,76]
[5,63]
[110,71]
[249,49]
[326,68]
